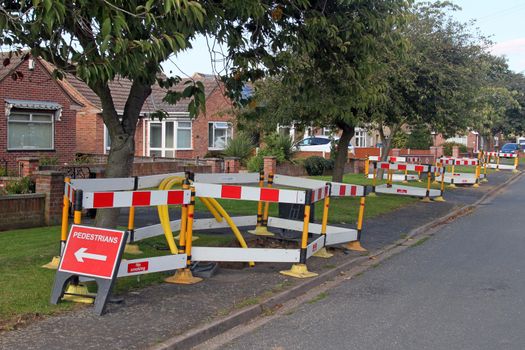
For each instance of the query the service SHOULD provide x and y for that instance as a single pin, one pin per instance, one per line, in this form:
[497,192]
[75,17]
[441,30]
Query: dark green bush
[22,186]
[240,146]
[419,138]
[316,165]
[255,164]
[447,148]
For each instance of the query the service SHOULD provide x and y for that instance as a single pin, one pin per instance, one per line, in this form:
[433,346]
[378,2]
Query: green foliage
[400,140]
[280,146]
[22,186]
[48,160]
[419,138]
[316,165]
[240,146]
[83,159]
[447,148]
[255,164]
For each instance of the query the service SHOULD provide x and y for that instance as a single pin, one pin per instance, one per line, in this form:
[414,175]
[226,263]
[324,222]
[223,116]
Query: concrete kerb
[352,268]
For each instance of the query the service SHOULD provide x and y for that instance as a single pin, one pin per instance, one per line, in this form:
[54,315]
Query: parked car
[318,144]
[510,148]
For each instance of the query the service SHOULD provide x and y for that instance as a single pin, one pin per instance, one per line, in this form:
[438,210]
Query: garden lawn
[25,286]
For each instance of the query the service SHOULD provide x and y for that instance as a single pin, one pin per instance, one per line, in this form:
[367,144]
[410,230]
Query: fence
[22,211]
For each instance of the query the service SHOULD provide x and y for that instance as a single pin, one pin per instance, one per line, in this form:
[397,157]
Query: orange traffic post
[260,228]
[323,252]
[356,245]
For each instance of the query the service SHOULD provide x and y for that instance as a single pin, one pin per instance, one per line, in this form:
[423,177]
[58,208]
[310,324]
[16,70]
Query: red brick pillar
[232,164]
[27,165]
[270,165]
[51,183]
[455,151]
[215,164]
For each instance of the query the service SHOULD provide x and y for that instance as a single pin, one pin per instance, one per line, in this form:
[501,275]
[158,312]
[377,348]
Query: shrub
[419,138]
[22,186]
[447,148]
[240,146]
[280,146]
[48,160]
[316,165]
[256,163]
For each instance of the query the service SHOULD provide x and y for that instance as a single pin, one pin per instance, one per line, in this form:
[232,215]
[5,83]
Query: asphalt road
[464,288]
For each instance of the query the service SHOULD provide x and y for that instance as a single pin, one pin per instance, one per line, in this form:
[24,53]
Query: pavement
[461,289]
[154,314]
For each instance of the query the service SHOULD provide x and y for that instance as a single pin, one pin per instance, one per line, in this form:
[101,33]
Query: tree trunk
[122,134]
[341,156]
[386,145]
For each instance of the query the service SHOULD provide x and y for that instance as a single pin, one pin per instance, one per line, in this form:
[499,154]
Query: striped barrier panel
[404,166]
[459,161]
[121,184]
[338,189]
[227,178]
[122,199]
[507,155]
[249,193]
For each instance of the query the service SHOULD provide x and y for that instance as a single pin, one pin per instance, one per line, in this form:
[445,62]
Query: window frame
[163,149]
[30,113]
[229,128]
[360,137]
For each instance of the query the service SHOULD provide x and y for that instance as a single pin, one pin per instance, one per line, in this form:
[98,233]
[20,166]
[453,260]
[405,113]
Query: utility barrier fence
[502,161]
[405,173]
[454,178]
[81,260]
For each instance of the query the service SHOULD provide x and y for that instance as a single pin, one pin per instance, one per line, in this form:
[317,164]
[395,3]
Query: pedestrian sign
[91,251]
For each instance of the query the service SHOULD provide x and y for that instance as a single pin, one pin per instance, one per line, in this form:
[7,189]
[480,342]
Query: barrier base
[439,199]
[79,294]
[372,194]
[193,238]
[323,253]
[355,246]
[298,271]
[451,186]
[515,171]
[183,276]
[426,200]
[484,180]
[475,186]
[261,231]
[53,264]
[132,249]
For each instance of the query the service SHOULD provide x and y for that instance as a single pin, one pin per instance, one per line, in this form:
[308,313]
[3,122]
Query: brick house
[50,118]
[38,114]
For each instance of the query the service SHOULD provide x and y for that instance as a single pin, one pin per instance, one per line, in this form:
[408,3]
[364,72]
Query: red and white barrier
[459,178]
[249,193]
[123,199]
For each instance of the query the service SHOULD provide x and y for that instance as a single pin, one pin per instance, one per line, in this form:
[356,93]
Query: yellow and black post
[131,248]
[323,252]
[356,245]
[453,170]
[440,198]
[183,221]
[367,166]
[516,162]
[300,270]
[497,161]
[261,228]
[184,276]
[55,261]
[76,291]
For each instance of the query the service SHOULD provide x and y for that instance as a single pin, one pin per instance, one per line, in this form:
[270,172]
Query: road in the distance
[464,288]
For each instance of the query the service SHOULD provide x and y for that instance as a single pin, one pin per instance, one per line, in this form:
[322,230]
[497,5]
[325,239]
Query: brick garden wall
[22,211]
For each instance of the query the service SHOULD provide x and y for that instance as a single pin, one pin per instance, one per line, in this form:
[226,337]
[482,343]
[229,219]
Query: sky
[501,20]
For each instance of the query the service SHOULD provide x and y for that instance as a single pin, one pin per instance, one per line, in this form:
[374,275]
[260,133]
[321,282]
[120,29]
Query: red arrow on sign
[81,254]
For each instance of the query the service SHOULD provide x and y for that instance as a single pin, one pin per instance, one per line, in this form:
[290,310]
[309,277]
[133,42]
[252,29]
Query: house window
[107,140]
[167,136]
[30,131]
[219,133]
[360,137]
[327,132]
